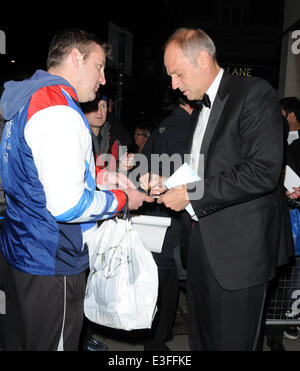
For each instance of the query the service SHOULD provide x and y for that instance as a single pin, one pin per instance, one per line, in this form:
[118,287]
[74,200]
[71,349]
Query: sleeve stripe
[83,204]
[121,198]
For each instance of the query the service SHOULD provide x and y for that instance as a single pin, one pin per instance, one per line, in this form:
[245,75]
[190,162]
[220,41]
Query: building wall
[291,13]
[289,78]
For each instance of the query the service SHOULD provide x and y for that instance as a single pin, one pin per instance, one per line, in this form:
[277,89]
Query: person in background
[169,138]
[48,175]
[291,111]
[106,147]
[276,292]
[141,135]
[290,108]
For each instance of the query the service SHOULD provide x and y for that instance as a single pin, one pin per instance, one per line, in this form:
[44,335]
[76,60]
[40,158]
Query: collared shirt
[202,122]
[201,127]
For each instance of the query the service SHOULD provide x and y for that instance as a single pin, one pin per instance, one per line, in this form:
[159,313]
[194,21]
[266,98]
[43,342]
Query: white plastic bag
[122,286]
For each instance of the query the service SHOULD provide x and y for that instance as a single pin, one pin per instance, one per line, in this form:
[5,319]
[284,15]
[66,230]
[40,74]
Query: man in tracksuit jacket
[48,174]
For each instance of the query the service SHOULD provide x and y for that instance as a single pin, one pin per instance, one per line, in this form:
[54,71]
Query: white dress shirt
[201,127]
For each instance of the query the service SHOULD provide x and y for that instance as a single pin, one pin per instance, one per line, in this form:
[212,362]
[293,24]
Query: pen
[149,187]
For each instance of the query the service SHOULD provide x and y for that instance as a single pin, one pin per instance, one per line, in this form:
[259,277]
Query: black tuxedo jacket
[242,217]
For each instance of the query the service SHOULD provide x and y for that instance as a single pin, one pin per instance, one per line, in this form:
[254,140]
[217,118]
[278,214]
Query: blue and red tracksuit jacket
[48,175]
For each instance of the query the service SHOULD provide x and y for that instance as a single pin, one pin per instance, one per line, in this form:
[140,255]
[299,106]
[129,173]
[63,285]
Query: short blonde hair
[191,41]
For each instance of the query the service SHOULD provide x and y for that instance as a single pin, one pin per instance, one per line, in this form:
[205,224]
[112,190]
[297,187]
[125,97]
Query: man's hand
[154,182]
[295,194]
[114,180]
[176,198]
[126,162]
[136,198]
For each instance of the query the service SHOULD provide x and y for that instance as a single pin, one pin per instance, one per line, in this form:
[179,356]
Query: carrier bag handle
[126,208]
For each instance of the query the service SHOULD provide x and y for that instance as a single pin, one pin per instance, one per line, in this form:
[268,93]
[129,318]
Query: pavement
[124,341]
[117,340]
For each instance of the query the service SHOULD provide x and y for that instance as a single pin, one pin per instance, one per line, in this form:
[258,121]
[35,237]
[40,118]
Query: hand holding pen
[153,184]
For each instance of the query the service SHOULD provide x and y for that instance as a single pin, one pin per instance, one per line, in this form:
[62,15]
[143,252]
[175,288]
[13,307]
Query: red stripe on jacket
[121,198]
[49,96]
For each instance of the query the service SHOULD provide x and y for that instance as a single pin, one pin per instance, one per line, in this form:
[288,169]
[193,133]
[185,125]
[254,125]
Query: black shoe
[277,346]
[152,347]
[93,345]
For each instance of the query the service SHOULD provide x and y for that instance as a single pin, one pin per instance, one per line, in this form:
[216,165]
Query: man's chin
[87,99]
[92,97]
[188,95]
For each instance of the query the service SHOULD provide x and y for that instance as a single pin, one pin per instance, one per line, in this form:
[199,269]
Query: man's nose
[175,83]
[102,79]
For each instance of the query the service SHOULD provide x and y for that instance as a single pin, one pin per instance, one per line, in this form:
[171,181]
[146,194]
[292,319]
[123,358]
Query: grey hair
[191,41]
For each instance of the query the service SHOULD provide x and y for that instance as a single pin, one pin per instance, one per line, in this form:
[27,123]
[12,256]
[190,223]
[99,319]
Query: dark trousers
[220,319]
[43,312]
[167,304]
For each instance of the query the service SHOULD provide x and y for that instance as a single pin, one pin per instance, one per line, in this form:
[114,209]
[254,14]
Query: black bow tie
[205,101]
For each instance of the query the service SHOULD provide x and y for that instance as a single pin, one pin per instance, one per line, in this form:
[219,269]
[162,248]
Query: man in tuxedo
[236,232]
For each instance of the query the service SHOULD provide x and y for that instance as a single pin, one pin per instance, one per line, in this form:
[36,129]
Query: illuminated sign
[265,72]
[239,71]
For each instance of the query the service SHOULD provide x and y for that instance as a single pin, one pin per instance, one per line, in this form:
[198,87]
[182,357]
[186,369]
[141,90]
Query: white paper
[293,135]
[184,175]
[291,179]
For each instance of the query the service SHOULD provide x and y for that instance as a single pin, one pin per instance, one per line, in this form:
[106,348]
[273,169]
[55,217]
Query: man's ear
[203,59]
[76,57]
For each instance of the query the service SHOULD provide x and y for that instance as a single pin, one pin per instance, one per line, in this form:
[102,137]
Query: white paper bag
[122,286]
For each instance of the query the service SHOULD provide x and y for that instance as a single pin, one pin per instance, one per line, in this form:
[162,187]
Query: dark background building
[247,34]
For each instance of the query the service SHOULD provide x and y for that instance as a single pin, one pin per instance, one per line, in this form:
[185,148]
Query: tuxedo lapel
[194,121]
[213,121]
[216,112]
